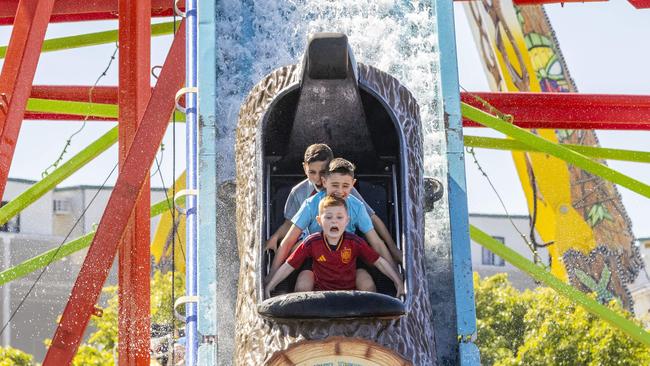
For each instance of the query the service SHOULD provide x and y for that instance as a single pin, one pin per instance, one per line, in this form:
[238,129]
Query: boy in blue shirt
[315,163]
[337,181]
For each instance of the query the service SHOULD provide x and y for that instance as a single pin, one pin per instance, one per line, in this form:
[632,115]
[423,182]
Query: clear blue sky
[605,46]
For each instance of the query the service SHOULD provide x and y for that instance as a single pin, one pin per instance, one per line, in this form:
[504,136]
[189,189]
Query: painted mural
[579,216]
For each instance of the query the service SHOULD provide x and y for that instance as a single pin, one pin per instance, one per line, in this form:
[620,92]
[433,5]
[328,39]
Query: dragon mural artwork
[579,216]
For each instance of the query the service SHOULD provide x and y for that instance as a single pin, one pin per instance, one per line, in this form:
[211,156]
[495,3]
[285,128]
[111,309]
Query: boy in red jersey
[334,252]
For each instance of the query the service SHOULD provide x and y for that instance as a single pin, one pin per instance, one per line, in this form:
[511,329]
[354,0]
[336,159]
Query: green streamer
[554,149]
[33,193]
[590,151]
[540,274]
[55,254]
[93,39]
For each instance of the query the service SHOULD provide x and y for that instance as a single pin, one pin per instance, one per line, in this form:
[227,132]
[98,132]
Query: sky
[604,44]
[41,142]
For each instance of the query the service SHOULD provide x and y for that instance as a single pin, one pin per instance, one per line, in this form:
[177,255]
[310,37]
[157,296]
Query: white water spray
[399,37]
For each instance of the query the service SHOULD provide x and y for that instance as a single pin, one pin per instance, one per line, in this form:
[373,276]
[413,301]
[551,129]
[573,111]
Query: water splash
[397,37]
[256,37]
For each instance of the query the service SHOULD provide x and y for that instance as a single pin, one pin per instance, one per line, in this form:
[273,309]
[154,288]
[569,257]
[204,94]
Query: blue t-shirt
[305,218]
[305,189]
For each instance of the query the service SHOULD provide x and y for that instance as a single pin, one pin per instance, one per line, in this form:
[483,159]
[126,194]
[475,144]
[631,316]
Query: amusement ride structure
[253,97]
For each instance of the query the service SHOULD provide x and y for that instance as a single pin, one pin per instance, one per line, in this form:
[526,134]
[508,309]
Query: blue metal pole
[458,215]
[192,177]
[207,243]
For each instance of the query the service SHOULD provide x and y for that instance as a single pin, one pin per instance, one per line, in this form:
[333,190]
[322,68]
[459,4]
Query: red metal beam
[81,10]
[133,174]
[79,93]
[530,110]
[100,94]
[568,110]
[35,116]
[76,93]
[18,73]
[640,4]
[134,332]
[542,2]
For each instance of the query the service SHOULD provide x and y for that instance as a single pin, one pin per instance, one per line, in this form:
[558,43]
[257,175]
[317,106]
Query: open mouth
[334,229]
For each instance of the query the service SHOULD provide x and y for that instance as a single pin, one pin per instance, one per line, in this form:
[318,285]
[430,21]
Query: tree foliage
[514,328]
[541,327]
[14,357]
[162,311]
[101,347]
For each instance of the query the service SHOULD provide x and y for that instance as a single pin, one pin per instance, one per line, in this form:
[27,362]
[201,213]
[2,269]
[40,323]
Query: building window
[490,259]
[11,226]
[61,207]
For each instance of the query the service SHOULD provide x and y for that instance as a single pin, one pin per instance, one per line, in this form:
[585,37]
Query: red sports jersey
[333,269]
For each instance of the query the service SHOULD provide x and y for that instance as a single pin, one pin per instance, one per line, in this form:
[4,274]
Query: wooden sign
[337,351]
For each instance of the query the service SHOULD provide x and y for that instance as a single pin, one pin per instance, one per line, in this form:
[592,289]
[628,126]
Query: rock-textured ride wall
[257,339]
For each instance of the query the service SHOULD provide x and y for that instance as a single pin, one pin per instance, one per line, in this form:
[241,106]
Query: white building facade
[509,230]
[45,225]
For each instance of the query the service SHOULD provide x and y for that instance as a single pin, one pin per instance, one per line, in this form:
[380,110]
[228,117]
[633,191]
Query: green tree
[162,311]
[540,327]
[101,347]
[14,357]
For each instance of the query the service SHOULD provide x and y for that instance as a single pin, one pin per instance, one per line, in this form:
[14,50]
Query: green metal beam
[53,255]
[33,193]
[540,274]
[44,259]
[81,109]
[93,39]
[554,149]
[590,151]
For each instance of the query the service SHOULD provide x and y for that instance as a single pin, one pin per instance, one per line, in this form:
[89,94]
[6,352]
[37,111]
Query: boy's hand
[268,277]
[267,292]
[272,243]
[397,256]
[399,286]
